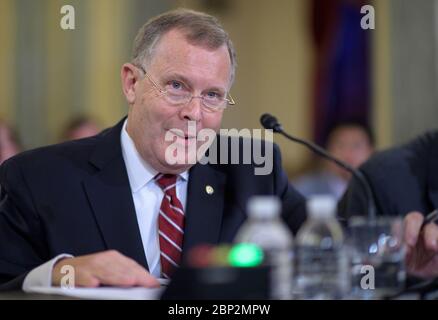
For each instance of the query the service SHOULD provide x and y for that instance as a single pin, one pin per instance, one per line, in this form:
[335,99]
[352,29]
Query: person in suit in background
[112,206]
[404,181]
[9,142]
[350,141]
[79,128]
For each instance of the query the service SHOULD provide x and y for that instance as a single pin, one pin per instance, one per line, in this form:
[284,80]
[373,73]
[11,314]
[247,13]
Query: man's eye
[213,95]
[176,85]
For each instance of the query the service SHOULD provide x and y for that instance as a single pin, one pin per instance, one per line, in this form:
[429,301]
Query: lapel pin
[209,189]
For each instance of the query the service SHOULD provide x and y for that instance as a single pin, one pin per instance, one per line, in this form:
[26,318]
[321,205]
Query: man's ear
[129,79]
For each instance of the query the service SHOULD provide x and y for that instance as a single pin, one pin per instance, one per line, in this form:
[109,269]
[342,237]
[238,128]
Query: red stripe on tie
[169,250]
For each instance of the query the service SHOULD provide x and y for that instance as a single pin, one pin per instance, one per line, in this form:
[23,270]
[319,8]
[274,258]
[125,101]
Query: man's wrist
[41,276]
[57,270]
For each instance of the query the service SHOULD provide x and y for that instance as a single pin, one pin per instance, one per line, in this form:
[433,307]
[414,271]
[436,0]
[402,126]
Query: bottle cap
[321,207]
[263,206]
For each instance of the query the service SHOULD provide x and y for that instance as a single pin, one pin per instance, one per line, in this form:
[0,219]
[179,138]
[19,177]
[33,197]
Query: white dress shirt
[147,197]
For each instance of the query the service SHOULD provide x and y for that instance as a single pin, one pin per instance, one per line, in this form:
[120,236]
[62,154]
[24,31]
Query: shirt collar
[139,171]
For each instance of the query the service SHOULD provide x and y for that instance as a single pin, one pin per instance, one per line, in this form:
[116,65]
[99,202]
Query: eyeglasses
[177,94]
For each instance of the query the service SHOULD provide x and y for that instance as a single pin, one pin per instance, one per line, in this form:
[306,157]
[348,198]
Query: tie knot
[166,181]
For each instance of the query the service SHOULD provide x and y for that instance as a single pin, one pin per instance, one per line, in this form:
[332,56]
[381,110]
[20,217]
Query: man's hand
[422,246]
[105,268]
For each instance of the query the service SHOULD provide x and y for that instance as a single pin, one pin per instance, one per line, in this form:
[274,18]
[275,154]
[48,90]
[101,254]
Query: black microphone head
[270,122]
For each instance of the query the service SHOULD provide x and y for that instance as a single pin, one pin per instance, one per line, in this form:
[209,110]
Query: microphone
[270,122]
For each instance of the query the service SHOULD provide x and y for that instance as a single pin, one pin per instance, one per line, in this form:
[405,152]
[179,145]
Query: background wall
[413,40]
[48,75]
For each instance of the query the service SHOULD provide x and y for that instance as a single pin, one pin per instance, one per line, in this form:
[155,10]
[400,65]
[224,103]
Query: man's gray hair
[199,28]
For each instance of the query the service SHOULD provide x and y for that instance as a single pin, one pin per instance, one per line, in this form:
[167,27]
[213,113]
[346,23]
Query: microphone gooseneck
[270,122]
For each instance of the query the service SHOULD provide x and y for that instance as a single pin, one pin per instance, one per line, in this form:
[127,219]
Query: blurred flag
[342,75]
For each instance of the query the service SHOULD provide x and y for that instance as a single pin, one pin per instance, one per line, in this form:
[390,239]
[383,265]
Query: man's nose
[193,110]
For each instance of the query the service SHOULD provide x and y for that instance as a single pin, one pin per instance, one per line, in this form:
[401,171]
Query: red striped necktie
[170,225]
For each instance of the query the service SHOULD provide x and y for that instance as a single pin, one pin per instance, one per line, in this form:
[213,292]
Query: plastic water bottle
[265,228]
[322,261]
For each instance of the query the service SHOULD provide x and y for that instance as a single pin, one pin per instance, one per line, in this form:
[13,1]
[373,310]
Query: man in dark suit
[404,181]
[113,207]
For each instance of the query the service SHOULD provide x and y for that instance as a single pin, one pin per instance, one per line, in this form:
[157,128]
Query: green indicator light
[245,255]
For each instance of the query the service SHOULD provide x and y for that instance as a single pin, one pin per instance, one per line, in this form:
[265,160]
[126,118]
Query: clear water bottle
[322,260]
[265,228]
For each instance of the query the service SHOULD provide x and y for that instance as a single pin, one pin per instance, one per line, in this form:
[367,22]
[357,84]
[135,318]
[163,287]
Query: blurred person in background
[9,142]
[404,181]
[349,141]
[80,127]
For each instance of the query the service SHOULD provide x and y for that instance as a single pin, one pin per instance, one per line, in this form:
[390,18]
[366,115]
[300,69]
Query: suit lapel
[110,197]
[433,177]
[205,203]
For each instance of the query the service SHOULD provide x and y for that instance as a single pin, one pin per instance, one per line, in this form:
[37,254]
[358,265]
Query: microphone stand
[270,122]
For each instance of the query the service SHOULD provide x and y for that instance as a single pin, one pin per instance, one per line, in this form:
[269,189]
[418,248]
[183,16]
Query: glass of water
[377,256]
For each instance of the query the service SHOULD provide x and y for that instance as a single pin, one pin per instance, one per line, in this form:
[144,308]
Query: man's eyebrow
[217,89]
[178,76]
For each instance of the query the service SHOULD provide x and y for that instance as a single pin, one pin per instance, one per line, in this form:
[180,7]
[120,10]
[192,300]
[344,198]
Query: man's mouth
[181,134]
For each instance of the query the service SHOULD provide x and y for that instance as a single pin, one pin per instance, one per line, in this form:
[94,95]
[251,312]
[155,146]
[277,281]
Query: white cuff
[42,276]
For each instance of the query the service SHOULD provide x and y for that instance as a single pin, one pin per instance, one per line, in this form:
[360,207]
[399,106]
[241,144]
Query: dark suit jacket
[403,179]
[75,198]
